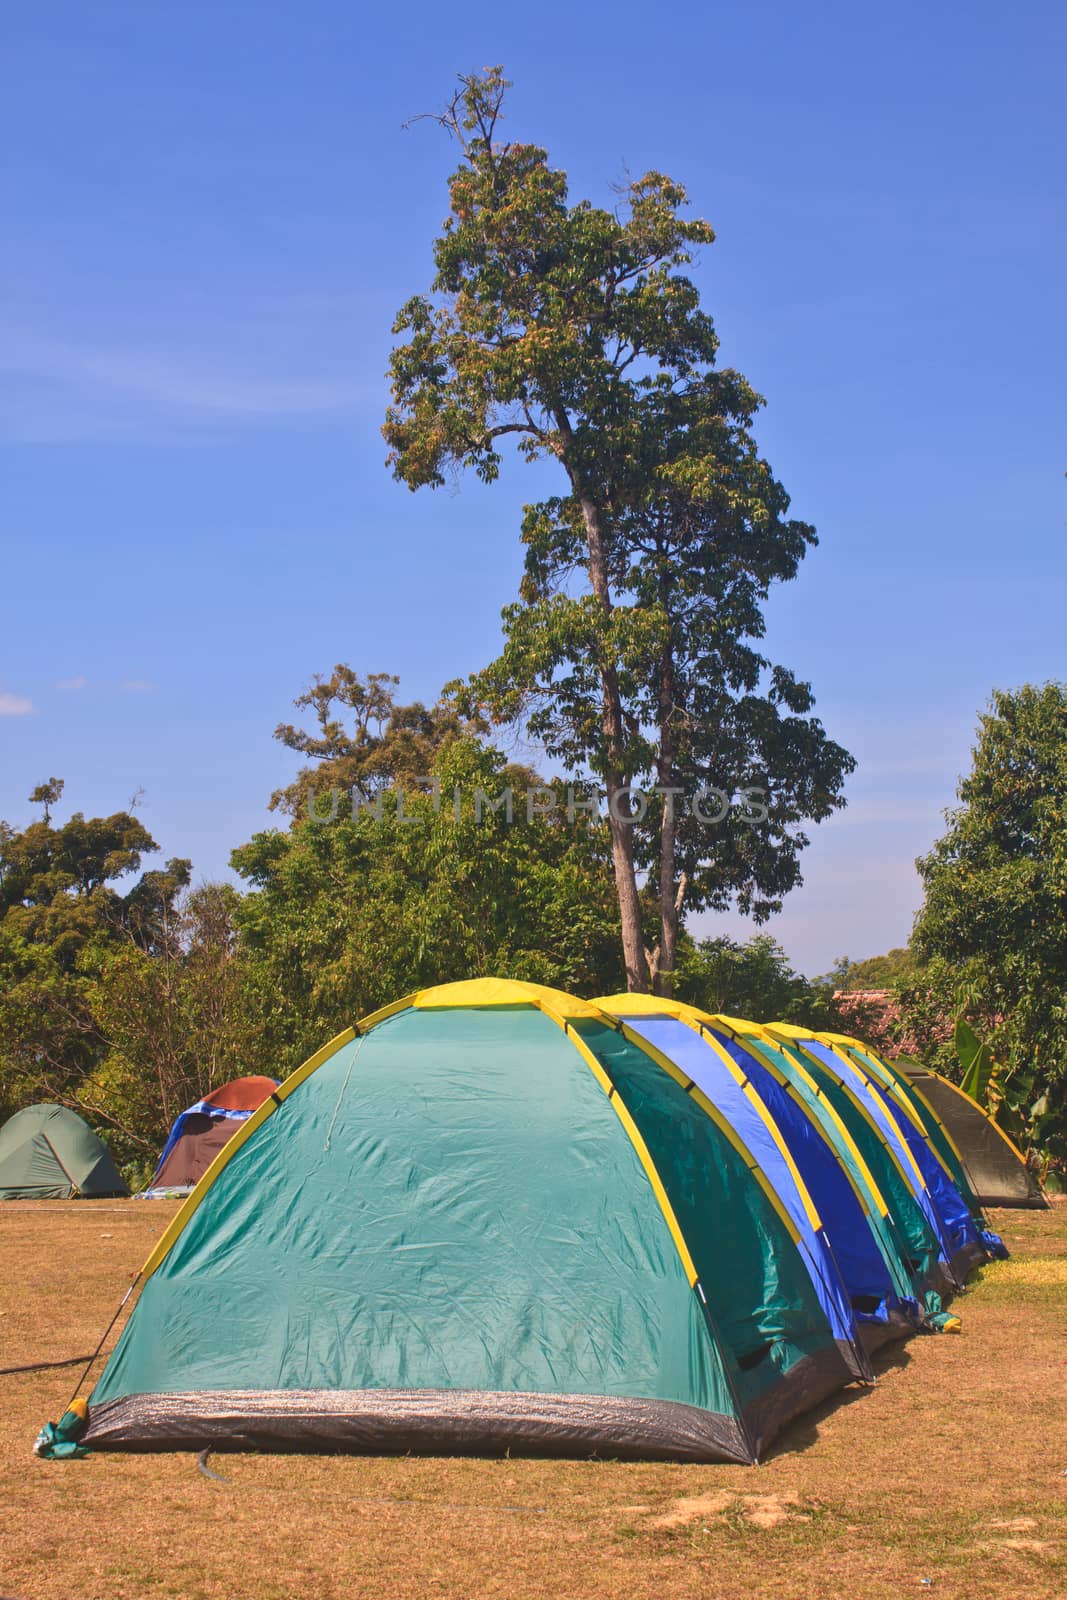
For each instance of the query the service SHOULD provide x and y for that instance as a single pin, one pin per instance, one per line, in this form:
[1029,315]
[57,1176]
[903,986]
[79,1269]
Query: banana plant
[982,1078]
[1037,1126]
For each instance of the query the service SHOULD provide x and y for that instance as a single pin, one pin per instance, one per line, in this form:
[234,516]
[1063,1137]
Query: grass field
[950,1475]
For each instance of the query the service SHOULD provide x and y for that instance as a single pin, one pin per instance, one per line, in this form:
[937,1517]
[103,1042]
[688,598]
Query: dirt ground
[950,1476]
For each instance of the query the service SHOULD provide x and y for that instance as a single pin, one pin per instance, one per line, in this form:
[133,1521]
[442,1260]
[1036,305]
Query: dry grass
[949,1476]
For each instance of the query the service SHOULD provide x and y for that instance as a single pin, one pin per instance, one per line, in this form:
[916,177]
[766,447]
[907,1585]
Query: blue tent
[201,1131]
[941,1201]
[866,1295]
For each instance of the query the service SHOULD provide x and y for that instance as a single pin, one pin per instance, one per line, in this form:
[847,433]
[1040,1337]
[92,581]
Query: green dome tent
[484,1219]
[49,1153]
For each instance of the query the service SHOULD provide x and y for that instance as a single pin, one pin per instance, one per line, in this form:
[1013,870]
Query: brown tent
[201,1132]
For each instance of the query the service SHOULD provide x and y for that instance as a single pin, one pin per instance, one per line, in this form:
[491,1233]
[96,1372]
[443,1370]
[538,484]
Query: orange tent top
[243,1094]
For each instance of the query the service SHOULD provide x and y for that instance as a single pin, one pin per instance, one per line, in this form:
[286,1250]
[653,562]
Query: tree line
[129,993]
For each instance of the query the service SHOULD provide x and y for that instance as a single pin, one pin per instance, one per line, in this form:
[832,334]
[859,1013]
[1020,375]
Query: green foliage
[347,915]
[47,795]
[125,1005]
[991,938]
[56,884]
[364,738]
[692,560]
[46,1043]
[60,910]
[172,1022]
[1038,1125]
[992,932]
[754,980]
[980,1077]
[927,1009]
[876,972]
[539,312]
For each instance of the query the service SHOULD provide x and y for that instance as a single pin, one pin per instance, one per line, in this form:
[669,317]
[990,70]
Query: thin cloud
[173,383]
[138,686]
[14,705]
[72,683]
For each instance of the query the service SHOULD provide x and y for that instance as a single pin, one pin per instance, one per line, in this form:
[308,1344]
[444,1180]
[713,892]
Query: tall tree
[575,330]
[58,884]
[726,738]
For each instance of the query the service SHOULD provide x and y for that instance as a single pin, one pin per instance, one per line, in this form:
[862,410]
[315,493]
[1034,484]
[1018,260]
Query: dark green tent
[996,1171]
[48,1153]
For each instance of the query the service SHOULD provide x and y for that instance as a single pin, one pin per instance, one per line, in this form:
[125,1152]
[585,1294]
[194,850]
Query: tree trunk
[670,893]
[622,855]
[620,824]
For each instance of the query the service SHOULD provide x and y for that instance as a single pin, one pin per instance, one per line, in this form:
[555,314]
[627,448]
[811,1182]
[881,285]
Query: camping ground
[950,1476]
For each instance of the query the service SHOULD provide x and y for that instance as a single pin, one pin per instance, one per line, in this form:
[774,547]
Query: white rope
[341,1095]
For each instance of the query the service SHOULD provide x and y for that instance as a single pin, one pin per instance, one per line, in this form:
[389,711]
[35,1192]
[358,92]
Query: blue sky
[212,213]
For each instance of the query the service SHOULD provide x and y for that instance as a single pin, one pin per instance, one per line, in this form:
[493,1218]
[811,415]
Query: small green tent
[49,1153]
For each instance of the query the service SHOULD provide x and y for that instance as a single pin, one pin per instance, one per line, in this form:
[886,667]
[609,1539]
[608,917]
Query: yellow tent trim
[798,1038]
[858,1070]
[946,1131]
[993,1123]
[231,1147]
[749,1090]
[371,1020]
[871,1062]
[641,1150]
[486,992]
[712,1111]
[765,1036]
[657,1005]
[749,1035]
[639,1005]
[621,1006]
[738,1024]
[563,1009]
[953,1146]
[560,1007]
[1012,1146]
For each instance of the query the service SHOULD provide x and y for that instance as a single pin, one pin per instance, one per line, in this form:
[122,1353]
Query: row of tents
[49,1152]
[494,1216]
